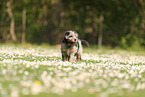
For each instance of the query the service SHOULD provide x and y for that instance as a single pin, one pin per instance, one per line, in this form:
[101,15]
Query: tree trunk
[100,31]
[23,26]
[95,26]
[12,24]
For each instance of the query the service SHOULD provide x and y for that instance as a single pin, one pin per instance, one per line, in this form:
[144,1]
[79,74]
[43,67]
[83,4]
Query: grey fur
[71,47]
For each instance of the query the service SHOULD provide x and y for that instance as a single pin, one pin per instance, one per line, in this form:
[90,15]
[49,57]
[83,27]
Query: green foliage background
[47,20]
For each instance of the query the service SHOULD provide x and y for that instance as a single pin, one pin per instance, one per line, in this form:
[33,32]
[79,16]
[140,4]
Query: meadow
[38,71]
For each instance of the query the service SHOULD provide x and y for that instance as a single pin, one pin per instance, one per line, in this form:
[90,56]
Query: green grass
[37,71]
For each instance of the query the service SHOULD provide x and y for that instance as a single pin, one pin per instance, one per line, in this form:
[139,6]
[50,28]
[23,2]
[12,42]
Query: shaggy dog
[71,46]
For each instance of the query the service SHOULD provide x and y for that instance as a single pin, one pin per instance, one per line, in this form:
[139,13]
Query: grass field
[38,71]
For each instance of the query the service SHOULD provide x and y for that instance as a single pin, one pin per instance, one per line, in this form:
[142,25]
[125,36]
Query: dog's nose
[75,40]
[71,40]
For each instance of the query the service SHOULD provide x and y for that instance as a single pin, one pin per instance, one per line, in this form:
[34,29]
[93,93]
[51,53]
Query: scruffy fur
[71,46]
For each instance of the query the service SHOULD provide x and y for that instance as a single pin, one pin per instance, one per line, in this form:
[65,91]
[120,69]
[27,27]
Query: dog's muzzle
[71,40]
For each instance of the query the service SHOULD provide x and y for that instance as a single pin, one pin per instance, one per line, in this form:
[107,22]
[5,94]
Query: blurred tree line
[123,22]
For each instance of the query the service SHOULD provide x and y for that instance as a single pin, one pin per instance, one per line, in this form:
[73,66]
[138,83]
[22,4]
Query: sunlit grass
[34,71]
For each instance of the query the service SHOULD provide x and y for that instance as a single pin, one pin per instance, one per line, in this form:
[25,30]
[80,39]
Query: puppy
[71,46]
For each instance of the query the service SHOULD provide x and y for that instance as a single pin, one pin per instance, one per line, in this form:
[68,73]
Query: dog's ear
[76,34]
[64,40]
[67,33]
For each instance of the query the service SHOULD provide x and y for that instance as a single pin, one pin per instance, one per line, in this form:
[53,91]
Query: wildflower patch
[40,71]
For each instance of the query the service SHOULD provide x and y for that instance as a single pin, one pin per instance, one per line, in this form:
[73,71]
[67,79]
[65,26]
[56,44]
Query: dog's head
[71,37]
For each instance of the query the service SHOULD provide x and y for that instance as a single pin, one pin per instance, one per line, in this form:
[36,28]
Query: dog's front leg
[71,57]
[78,57]
[64,57]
